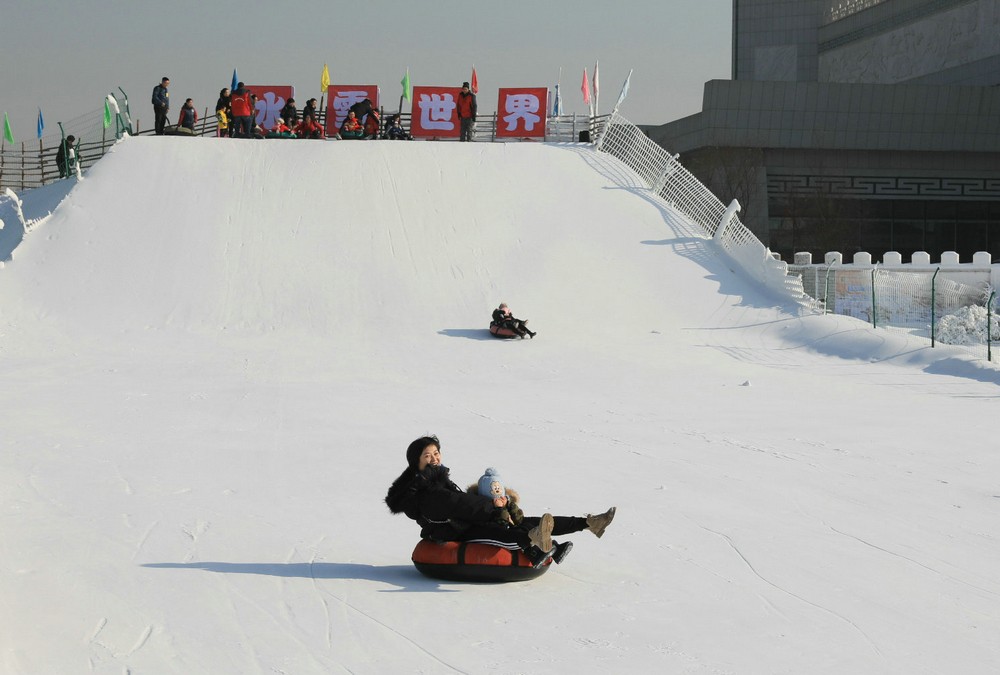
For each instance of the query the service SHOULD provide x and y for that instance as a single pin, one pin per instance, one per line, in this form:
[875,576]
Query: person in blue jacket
[161,105]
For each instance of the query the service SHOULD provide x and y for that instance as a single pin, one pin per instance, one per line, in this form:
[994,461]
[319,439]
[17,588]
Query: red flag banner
[521,112]
[341,98]
[434,113]
[475,81]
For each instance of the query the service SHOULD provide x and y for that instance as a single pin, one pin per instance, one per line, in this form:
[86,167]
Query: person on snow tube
[502,318]
[426,494]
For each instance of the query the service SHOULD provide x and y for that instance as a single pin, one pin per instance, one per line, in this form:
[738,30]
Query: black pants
[517,537]
[516,325]
[160,119]
[466,129]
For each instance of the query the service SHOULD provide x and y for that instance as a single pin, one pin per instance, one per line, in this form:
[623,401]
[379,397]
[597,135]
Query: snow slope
[215,352]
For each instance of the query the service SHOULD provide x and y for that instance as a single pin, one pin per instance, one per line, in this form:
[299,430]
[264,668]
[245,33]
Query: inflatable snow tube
[464,561]
[501,332]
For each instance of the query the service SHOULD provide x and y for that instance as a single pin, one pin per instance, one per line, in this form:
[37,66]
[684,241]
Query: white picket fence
[670,182]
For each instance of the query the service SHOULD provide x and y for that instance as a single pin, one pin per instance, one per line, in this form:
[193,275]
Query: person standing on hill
[66,156]
[466,108]
[223,113]
[366,113]
[161,105]
[240,104]
[290,113]
[310,110]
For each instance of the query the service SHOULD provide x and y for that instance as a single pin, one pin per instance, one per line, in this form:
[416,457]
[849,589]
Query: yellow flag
[324,81]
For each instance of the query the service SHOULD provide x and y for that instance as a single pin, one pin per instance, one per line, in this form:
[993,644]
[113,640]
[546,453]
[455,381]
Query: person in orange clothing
[309,128]
[351,128]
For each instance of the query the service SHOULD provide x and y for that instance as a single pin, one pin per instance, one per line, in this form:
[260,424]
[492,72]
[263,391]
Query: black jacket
[441,508]
[362,108]
[290,114]
[505,320]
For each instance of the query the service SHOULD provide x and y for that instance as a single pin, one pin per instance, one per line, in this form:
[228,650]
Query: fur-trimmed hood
[513,508]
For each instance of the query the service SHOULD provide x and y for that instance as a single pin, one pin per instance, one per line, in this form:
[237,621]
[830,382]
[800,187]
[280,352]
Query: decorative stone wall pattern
[950,39]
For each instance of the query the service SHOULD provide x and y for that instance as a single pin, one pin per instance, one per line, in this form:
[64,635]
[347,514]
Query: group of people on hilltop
[236,115]
[236,112]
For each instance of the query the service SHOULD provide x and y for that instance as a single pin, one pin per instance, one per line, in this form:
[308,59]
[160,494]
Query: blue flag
[41,124]
[557,104]
[236,81]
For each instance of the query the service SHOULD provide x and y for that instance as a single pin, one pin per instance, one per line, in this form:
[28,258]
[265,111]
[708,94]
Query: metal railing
[31,164]
[678,188]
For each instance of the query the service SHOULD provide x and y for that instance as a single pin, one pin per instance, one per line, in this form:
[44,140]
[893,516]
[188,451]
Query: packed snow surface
[214,354]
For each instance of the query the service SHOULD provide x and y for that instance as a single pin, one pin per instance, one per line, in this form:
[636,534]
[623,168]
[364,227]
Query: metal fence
[31,164]
[949,304]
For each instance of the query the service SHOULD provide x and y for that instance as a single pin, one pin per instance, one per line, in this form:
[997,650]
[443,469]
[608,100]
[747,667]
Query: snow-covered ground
[214,354]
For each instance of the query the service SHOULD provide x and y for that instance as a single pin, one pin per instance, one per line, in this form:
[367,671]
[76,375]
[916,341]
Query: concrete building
[856,125]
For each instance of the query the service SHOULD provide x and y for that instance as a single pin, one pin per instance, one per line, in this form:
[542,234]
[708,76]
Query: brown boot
[597,524]
[541,536]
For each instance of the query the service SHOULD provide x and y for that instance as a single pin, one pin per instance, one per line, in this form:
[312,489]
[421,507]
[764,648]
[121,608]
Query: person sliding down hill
[426,494]
[503,318]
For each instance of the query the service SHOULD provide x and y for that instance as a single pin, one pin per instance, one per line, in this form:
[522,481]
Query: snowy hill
[214,354]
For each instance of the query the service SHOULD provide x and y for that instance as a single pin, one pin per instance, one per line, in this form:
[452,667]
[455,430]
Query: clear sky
[65,57]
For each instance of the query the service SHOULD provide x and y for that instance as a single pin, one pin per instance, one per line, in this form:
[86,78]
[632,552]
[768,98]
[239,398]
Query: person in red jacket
[239,103]
[466,106]
[309,128]
[188,117]
[372,124]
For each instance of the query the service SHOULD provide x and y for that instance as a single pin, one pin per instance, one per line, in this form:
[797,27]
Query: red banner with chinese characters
[270,100]
[521,112]
[340,98]
[434,113]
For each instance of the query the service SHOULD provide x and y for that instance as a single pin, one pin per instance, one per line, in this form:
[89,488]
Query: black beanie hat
[417,448]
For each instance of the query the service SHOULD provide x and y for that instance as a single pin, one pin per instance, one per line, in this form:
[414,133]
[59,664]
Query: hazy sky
[65,57]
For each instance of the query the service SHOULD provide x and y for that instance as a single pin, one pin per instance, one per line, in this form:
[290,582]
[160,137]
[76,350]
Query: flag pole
[406,84]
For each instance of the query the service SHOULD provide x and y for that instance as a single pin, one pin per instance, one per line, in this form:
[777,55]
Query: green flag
[107,114]
[7,133]
[407,89]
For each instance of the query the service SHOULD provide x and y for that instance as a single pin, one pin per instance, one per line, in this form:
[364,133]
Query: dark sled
[501,332]
[481,563]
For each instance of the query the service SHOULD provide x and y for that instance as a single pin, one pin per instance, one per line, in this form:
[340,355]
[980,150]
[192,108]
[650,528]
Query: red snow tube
[501,332]
[464,561]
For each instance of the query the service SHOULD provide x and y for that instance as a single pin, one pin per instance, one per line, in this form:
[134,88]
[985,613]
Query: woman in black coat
[445,512]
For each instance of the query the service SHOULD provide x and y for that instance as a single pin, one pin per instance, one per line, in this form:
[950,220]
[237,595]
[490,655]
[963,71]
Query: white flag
[621,96]
[597,89]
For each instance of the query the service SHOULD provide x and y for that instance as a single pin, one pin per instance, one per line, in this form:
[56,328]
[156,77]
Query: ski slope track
[214,354]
